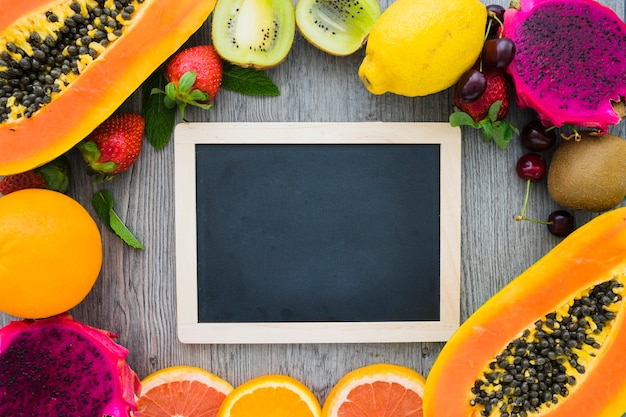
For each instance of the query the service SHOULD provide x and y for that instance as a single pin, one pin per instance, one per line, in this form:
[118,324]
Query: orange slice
[271,396]
[379,390]
[182,391]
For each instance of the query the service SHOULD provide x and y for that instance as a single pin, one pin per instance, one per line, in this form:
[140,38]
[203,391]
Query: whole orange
[50,253]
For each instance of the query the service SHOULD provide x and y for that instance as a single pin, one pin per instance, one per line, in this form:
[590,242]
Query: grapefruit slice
[182,391]
[381,390]
[271,396]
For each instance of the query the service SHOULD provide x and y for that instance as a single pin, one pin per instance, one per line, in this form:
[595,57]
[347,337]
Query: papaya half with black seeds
[550,343]
[66,65]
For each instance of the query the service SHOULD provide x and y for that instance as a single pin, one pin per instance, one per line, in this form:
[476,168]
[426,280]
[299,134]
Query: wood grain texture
[135,293]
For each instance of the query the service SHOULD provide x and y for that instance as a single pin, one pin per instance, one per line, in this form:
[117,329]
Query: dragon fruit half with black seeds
[570,61]
[63,368]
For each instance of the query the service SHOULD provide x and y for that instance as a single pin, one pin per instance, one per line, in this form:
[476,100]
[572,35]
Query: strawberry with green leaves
[114,146]
[195,77]
[54,175]
[488,111]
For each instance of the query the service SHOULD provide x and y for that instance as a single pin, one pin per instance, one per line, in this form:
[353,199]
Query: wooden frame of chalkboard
[209,160]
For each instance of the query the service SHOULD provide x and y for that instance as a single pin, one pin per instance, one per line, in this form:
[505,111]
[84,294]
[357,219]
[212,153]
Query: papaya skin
[590,255]
[53,130]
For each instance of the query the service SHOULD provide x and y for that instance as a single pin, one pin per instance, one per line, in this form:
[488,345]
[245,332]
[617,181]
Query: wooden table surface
[135,293]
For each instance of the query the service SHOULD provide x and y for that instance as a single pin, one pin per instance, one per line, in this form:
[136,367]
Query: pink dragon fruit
[61,367]
[570,61]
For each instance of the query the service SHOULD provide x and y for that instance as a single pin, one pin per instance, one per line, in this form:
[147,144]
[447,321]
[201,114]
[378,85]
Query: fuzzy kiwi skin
[590,173]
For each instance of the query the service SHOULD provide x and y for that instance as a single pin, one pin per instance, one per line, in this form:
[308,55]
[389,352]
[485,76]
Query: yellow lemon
[421,47]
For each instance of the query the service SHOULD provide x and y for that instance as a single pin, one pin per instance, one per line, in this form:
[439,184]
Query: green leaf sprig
[160,98]
[160,119]
[248,81]
[102,202]
[500,131]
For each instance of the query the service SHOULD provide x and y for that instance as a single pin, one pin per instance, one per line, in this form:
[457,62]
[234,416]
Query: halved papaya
[80,59]
[550,343]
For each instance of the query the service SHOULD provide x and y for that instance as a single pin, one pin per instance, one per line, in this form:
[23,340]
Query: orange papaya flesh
[550,343]
[124,41]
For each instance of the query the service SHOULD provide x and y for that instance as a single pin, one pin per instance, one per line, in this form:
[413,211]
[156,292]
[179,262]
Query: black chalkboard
[317,232]
[297,232]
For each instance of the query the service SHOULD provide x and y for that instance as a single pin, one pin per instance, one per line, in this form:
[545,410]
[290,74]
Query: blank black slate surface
[320,232]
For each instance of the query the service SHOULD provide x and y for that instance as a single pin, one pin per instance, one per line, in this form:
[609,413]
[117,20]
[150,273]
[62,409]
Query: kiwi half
[338,27]
[253,33]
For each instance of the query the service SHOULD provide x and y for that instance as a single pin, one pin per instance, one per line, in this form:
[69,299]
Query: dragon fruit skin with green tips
[570,61]
[63,368]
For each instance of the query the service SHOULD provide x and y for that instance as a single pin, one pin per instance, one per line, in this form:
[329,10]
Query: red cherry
[561,223]
[471,85]
[536,138]
[498,53]
[532,167]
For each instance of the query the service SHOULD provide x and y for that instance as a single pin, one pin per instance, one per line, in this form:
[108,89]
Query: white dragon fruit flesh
[63,368]
[570,61]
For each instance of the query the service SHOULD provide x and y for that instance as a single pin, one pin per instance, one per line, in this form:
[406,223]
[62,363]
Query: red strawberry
[488,111]
[53,176]
[114,145]
[195,76]
[15,182]
[496,90]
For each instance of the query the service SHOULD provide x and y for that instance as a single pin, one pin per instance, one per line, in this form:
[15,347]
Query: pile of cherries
[497,53]
[532,167]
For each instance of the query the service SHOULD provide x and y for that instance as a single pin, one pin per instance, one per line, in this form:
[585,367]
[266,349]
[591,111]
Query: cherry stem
[488,29]
[493,17]
[575,135]
[522,216]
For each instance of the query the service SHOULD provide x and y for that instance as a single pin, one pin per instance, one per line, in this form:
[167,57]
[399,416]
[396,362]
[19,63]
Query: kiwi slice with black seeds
[338,27]
[253,33]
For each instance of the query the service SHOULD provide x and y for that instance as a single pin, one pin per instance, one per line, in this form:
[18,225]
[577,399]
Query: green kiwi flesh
[253,33]
[589,174]
[338,27]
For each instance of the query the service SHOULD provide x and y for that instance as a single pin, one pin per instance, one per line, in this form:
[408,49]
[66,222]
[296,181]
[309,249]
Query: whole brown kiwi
[589,173]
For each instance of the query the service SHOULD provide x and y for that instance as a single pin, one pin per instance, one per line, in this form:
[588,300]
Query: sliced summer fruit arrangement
[270,396]
[182,391]
[570,63]
[334,26]
[60,367]
[550,343]
[421,47]
[51,253]
[253,33]
[85,85]
[377,390]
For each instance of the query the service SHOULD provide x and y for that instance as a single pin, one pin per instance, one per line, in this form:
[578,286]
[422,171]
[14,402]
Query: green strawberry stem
[91,154]
[180,95]
[499,130]
[56,174]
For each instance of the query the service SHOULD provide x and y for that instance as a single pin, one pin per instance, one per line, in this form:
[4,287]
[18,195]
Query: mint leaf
[494,109]
[460,118]
[160,118]
[102,202]
[247,81]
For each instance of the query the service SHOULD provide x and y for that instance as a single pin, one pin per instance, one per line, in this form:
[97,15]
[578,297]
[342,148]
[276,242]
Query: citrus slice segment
[271,396]
[381,390]
[182,391]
